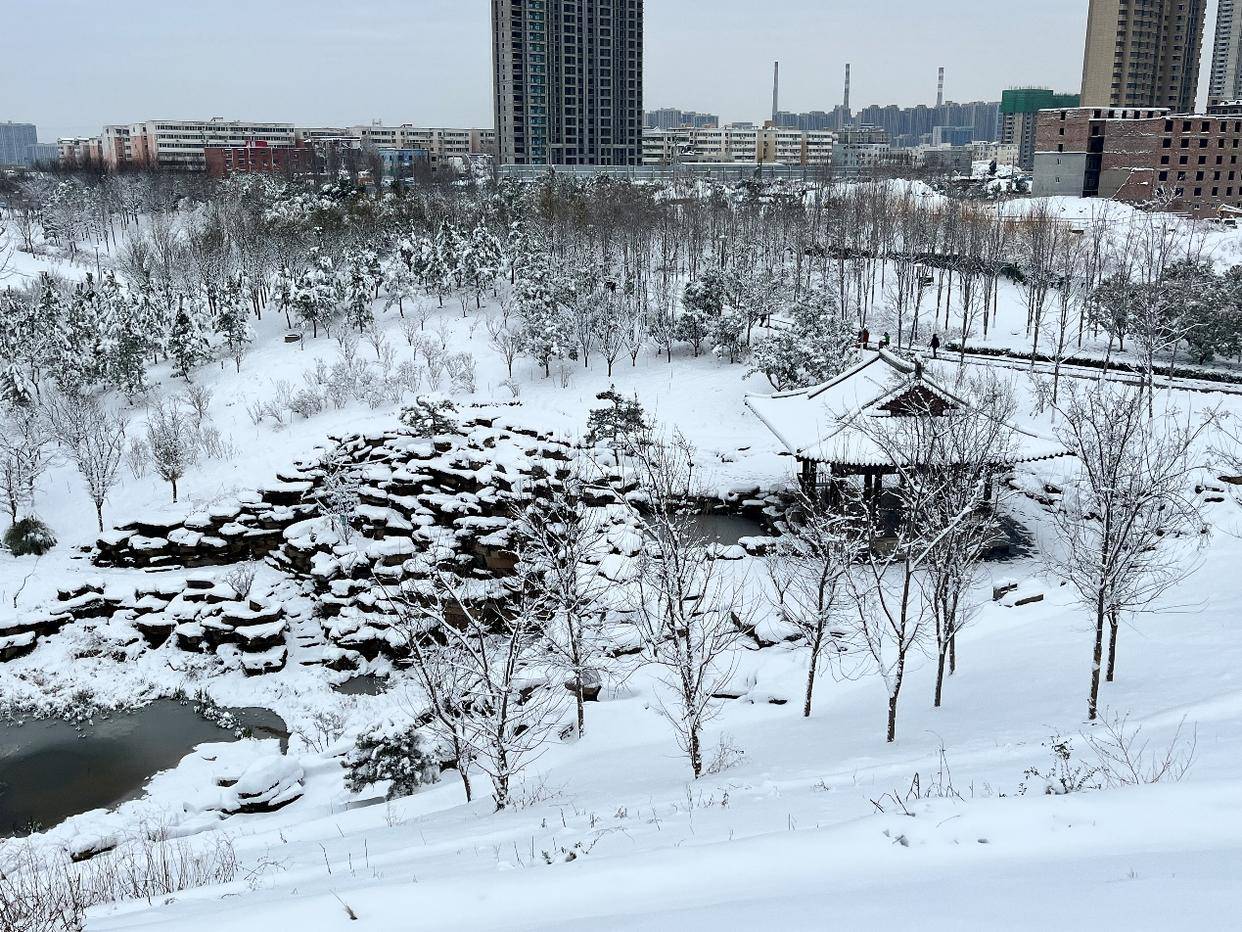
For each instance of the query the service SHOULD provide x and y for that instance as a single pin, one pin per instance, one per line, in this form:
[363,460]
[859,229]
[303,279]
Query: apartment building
[1225,80]
[740,142]
[861,159]
[1018,108]
[1143,53]
[1185,162]
[568,81]
[79,151]
[16,140]
[184,145]
[179,145]
[672,118]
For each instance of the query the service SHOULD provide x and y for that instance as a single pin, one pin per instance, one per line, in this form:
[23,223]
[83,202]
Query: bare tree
[484,666]
[26,451]
[171,439]
[807,570]
[445,681]
[560,542]
[925,538]
[1120,521]
[967,449]
[97,451]
[688,614]
[891,616]
[505,340]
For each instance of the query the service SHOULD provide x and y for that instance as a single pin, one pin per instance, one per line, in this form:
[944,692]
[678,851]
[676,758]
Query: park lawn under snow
[786,837]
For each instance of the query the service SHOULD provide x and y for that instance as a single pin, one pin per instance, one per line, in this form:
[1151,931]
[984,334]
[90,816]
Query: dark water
[368,684]
[50,769]
[727,528]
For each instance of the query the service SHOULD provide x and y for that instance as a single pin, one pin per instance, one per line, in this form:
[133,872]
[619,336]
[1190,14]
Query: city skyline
[381,60]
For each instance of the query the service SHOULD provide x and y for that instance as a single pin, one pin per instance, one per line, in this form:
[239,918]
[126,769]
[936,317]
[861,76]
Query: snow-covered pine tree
[317,293]
[485,261]
[129,338]
[233,321]
[188,345]
[545,329]
[728,334]
[618,422]
[817,344]
[79,350]
[399,284]
[356,285]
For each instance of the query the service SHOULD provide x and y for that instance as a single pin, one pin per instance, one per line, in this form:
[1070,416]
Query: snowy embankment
[791,833]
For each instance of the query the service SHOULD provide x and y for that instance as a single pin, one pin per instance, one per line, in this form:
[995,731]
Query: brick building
[1189,163]
[257,155]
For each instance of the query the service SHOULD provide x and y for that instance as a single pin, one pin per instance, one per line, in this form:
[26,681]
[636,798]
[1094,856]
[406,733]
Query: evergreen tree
[619,422]
[545,330]
[233,322]
[187,342]
[129,340]
[816,345]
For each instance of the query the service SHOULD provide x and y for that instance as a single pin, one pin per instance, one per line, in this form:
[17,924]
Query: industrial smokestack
[846,102]
[776,89]
[940,88]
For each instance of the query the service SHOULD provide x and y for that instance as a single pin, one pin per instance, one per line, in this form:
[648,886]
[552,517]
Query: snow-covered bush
[430,415]
[29,536]
[461,372]
[241,578]
[397,754]
[817,344]
[306,402]
[338,498]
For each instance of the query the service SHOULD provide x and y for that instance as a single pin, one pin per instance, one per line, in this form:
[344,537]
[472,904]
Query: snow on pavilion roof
[821,423]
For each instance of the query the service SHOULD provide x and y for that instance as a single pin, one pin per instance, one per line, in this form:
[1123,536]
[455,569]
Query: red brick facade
[1189,163]
[223,161]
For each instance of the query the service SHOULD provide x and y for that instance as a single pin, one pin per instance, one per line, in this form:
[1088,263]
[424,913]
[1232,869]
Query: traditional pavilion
[823,426]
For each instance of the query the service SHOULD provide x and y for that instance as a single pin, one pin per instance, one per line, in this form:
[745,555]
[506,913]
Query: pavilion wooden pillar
[834,487]
[809,478]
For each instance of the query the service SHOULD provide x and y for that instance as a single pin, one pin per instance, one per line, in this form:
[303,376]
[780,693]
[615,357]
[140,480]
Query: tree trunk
[1097,657]
[99,515]
[810,676]
[940,662]
[696,754]
[1113,621]
[174,489]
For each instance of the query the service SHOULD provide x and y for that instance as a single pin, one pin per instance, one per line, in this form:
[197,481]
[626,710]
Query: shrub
[29,536]
[430,415]
[392,752]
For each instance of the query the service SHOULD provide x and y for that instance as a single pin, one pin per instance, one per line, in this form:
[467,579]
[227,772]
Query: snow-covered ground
[811,824]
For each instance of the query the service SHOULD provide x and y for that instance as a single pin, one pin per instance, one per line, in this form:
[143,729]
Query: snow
[788,836]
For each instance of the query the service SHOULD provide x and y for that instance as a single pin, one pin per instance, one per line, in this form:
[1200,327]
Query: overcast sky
[72,65]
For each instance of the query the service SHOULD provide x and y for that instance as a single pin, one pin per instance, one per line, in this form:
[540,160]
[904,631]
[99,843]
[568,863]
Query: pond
[367,684]
[51,769]
[727,528]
